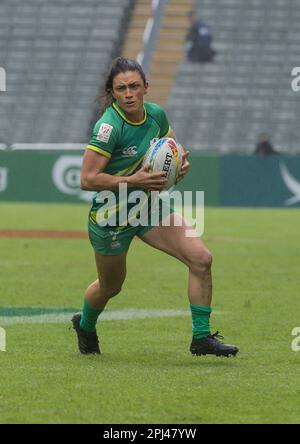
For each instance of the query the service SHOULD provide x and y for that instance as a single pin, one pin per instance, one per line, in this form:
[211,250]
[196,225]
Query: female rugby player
[114,156]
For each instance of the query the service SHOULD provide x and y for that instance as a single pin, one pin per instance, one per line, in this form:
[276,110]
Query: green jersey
[125,143]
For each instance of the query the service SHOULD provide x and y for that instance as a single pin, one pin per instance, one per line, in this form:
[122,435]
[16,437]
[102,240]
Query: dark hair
[118,65]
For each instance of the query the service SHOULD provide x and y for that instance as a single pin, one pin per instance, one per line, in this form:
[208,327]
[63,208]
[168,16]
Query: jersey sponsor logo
[104,132]
[129,152]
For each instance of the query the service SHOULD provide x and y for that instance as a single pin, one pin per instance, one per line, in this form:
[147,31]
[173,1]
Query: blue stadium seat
[55,55]
[247,89]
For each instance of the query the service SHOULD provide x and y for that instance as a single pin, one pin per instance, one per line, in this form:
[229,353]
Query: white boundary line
[114,315]
[48,146]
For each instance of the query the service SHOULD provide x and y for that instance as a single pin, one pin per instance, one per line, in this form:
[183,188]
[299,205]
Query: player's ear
[146,87]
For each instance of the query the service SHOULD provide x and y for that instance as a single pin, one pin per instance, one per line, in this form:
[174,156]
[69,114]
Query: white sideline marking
[114,315]
[48,146]
[2,340]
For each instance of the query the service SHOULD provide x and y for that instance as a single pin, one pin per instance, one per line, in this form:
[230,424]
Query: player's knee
[113,291]
[93,289]
[201,261]
[205,260]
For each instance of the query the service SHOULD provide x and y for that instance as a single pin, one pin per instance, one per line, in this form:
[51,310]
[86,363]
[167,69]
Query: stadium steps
[133,43]
[169,49]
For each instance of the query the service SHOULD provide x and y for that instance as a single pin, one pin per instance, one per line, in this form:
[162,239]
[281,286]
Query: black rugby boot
[210,345]
[88,342]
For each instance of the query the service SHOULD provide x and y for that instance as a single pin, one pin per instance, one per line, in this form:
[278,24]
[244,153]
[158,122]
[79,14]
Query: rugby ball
[165,155]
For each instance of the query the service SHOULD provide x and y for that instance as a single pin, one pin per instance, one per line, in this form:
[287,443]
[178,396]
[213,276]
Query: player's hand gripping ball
[165,155]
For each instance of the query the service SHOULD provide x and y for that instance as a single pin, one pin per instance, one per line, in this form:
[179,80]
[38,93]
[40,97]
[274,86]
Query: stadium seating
[223,106]
[55,54]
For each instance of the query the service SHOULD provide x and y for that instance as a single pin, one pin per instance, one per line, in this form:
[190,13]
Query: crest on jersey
[104,132]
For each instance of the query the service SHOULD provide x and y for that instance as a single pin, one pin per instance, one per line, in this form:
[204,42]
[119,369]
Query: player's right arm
[92,176]
[94,179]
[106,136]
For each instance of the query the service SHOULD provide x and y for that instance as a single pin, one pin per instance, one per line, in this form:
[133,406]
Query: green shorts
[113,240]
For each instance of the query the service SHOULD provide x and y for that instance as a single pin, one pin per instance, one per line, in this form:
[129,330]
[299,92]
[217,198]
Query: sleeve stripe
[168,133]
[129,170]
[99,150]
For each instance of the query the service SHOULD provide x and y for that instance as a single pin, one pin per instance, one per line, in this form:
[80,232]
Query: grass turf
[146,374]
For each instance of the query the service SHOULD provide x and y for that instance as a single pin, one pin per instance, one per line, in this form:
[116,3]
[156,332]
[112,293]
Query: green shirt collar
[116,106]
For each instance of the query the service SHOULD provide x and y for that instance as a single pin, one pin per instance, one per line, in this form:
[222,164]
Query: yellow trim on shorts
[99,150]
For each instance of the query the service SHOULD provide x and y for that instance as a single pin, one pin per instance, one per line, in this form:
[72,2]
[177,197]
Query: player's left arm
[185,163]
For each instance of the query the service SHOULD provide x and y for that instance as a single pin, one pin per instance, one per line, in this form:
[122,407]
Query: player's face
[129,91]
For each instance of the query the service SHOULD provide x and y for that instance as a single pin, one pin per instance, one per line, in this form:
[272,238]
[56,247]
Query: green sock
[200,319]
[89,317]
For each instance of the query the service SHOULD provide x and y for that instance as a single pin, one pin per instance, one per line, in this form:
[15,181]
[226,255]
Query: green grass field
[146,373]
